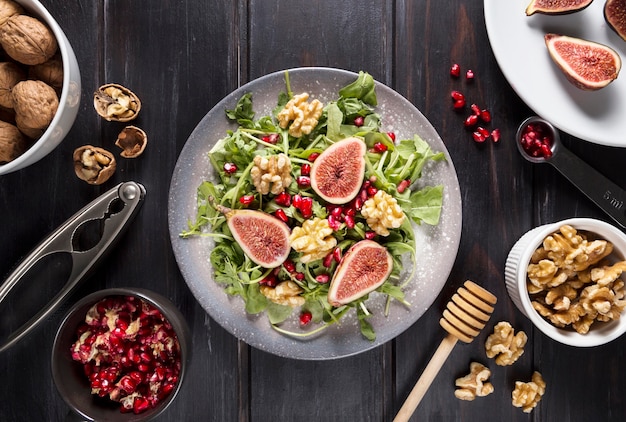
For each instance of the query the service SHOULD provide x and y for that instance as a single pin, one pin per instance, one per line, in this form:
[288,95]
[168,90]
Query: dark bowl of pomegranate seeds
[120,355]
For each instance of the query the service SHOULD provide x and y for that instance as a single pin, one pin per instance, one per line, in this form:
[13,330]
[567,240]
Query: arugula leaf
[362,88]
[242,113]
[425,205]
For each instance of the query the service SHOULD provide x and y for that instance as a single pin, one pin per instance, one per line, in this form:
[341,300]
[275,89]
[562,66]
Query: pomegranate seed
[475,109]
[283,199]
[455,70]
[458,104]
[269,280]
[297,201]
[392,136]
[349,211]
[349,220]
[370,234]
[471,121]
[290,266]
[358,204]
[307,207]
[484,132]
[336,211]
[272,138]
[140,404]
[303,181]
[358,121]
[337,255]
[299,276]
[281,215]
[327,261]
[380,147]
[457,95]
[246,199]
[478,137]
[485,116]
[312,156]
[323,278]
[305,170]
[495,135]
[305,318]
[371,191]
[469,75]
[403,185]
[334,222]
[230,168]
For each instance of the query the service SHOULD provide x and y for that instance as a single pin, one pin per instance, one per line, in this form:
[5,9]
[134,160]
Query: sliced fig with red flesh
[586,64]
[363,269]
[615,16]
[337,173]
[263,238]
[556,7]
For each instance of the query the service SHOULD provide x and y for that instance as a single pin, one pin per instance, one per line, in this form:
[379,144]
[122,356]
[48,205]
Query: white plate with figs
[437,246]
[518,44]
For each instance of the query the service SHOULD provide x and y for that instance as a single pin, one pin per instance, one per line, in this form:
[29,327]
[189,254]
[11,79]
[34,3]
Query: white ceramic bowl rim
[38,9]
[600,333]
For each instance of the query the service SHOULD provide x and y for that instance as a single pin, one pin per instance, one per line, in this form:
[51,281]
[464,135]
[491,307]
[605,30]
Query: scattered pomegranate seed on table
[455,70]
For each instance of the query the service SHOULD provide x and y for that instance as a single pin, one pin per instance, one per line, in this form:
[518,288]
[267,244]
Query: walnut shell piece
[10,75]
[94,165]
[116,103]
[9,8]
[12,142]
[132,140]
[35,103]
[27,40]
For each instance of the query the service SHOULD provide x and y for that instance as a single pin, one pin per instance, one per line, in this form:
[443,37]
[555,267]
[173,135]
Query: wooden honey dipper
[465,315]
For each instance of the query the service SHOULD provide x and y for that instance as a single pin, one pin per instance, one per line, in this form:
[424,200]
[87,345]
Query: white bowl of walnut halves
[39,84]
[566,277]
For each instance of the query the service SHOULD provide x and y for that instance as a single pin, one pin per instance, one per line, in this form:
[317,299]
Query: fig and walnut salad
[313,207]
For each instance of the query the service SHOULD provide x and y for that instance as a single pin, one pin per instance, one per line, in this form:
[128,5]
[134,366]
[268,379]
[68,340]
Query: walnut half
[116,103]
[474,384]
[93,165]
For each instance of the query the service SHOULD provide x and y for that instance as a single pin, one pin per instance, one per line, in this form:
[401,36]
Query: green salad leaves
[391,165]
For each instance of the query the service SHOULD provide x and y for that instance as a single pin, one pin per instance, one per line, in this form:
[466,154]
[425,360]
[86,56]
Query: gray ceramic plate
[436,246]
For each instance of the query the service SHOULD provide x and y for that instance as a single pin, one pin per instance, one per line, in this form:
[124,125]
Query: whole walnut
[9,8]
[50,72]
[10,75]
[27,40]
[35,104]
[12,142]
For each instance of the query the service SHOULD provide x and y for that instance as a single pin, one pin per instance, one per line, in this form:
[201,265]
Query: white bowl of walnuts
[39,84]
[566,277]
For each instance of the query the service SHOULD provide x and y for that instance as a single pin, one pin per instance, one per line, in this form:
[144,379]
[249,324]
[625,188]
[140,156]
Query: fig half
[615,16]
[337,174]
[363,269]
[556,7]
[587,65]
[263,238]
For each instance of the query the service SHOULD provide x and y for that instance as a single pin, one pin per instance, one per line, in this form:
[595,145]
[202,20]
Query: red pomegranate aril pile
[477,115]
[537,140]
[304,204]
[129,352]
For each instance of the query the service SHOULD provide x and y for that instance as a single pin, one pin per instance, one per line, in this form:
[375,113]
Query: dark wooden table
[181,58]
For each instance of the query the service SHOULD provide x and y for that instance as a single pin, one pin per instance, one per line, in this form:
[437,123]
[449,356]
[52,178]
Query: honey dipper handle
[423,383]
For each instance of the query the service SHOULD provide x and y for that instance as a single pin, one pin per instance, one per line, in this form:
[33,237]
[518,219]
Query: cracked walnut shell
[93,165]
[132,141]
[116,103]
[27,40]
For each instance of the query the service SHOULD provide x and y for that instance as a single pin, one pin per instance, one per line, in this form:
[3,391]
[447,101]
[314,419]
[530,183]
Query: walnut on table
[528,394]
[474,384]
[504,344]
[303,115]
